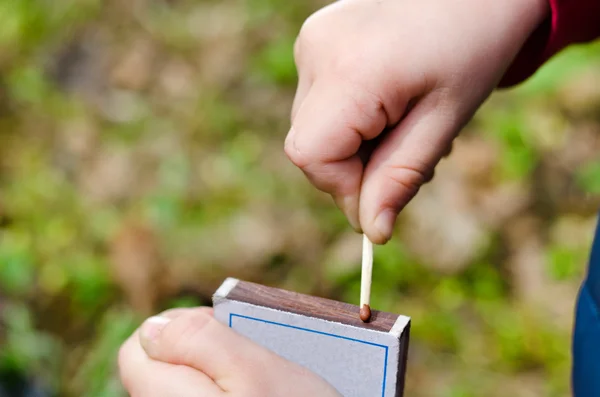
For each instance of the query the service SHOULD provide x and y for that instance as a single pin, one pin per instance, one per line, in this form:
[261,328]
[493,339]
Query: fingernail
[150,331]
[384,223]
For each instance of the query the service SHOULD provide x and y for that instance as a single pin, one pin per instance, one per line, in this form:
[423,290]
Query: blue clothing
[586,336]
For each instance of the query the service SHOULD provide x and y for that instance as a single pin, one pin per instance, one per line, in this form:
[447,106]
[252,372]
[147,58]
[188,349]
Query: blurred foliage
[141,163]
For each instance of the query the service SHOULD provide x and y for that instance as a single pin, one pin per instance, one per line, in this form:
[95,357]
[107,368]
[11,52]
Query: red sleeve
[570,22]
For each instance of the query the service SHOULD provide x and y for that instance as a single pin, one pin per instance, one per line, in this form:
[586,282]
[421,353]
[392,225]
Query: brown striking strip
[310,306]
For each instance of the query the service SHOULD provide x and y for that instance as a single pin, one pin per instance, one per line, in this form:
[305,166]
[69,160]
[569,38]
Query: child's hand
[417,69]
[187,353]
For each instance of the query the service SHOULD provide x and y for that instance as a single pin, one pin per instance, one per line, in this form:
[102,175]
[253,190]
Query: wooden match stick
[365,280]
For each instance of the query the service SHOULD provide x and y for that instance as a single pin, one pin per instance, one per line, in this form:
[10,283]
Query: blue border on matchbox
[232,315]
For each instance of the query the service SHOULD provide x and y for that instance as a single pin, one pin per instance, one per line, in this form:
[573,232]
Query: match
[365,281]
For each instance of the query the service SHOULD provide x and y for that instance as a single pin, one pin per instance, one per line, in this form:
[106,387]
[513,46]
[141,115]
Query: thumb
[195,339]
[402,163]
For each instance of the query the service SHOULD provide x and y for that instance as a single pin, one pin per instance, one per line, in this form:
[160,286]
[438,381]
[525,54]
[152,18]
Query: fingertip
[383,226]
[150,332]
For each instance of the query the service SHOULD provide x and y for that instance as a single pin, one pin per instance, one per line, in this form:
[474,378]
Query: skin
[186,352]
[416,70]
[384,88]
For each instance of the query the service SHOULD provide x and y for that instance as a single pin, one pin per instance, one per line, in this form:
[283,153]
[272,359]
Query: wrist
[516,21]
[530,52]
[524,17]
[532,13]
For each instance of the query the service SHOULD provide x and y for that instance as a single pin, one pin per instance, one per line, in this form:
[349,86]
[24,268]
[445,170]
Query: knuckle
[408,178]
[314,33]
[312,30]
[430,176]
[293,153]
[297,50]
[369,116]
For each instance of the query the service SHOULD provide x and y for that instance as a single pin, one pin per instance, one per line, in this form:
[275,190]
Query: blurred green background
[141,163]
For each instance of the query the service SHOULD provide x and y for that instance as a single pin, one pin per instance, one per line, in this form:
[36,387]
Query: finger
[304,85]
[448,151]
[197,340]
[144,377]
[305,82]
[403,162]
[174,313]
[328,129]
